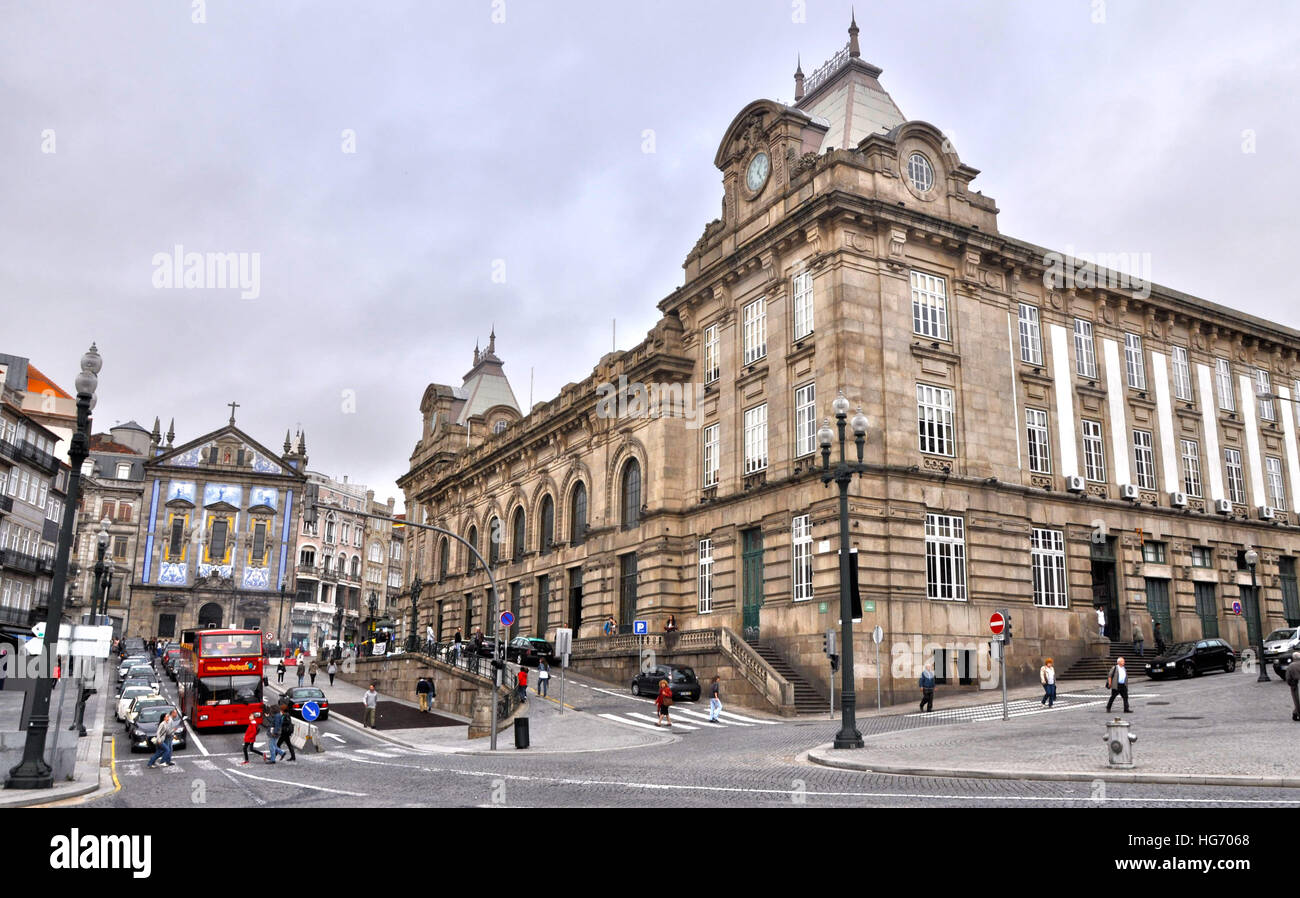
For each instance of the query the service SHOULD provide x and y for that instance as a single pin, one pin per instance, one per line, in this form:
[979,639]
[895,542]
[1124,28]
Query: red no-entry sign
[996,623]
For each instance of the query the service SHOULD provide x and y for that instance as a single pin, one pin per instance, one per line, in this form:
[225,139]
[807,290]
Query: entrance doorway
[752,563]
[1207,610]
[1158,608]
[1105,590]
[575,599]
[210,616]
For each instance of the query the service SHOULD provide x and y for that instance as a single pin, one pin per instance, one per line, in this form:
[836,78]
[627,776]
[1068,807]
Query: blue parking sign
[640,627]
[310,711]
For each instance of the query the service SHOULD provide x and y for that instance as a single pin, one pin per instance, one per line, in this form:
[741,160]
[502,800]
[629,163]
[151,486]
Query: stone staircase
[808,699]
[1095,667]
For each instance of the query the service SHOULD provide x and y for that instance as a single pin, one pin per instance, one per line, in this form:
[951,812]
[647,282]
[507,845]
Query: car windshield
[133,691]
[153,714]
[1181,648]
[307,694]
[683,675]
[1280,635]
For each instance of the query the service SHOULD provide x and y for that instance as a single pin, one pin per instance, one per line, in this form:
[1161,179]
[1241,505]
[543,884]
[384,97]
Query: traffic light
[1006,631]
[835,663]
[828,642]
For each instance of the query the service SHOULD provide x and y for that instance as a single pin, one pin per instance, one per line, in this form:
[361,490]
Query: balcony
[14,617]
[308,570]
[13,560]
[329,576]
[41,459]
[45,566]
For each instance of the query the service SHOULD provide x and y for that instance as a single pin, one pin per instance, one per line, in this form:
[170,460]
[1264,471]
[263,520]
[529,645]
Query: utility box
[1119,743]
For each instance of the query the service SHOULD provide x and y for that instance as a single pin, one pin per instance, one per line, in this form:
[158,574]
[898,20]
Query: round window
[920,172]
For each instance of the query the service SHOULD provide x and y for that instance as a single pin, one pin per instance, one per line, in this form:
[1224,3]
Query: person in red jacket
[250,734]
[663,701]
[522,683]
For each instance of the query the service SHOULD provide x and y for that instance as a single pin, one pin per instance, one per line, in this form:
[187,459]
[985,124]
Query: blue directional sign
[640,627]
[310,711]
[507,619]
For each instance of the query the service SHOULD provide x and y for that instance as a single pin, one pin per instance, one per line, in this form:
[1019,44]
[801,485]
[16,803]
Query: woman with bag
[662,702]
[543,676]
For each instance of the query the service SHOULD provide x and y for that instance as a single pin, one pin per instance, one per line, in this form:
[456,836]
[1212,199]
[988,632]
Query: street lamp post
[1252,559]
[842,475]
[103,581]
[416,586]
[279,630]
[32,772]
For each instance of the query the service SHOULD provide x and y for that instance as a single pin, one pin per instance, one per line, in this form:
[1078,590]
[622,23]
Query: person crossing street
[1118,683]
[286,732]
[163,740]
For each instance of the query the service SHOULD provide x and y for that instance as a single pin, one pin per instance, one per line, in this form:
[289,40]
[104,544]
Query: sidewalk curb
[825,756]
[34,798]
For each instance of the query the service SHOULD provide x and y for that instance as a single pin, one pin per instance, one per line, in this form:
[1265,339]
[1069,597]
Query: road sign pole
[1002,656]
[878,677]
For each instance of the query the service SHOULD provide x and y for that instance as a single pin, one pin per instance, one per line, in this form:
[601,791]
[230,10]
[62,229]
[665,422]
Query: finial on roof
[171,432]
[854,52]
[492,341]
[798,79]
[475,352]
[286,441]
[156,435]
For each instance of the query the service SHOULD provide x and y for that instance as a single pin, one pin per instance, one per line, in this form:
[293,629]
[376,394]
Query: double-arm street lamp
[842,474]
[32,772]
[1252,559]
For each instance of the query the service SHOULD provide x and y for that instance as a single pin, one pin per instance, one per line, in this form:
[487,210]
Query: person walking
[663,701]
[522,680]
[456,644]
[543,676]
[611,626]
[927,689]
[332,670]
[163,741]
[670,632]
[4,667]
[1157,637]
[422,693]
[429,640]
[286,732]
[312,670]
[1293,681]
[715,700]
[279,671]
[250,734]
[371,701]
[302,670]
[1137,640]
[273,750]
[1118,683]
[1047,676]
[1101,622]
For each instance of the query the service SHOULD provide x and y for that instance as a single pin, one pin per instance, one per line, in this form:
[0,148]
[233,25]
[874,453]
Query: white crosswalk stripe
[701,719]
[681,726]
[635,723]
[374,752]
[750,720]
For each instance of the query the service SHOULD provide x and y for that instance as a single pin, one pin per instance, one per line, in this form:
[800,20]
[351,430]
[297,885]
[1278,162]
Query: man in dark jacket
[927,689]
[286,730]
[422,693]
[1293,680]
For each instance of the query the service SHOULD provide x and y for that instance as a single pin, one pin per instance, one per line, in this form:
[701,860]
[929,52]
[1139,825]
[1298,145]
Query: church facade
[1046,435]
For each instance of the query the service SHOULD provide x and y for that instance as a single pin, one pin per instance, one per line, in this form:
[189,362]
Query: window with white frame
[1135,366]
[1040,458]
[1094,452]
[934,411]
[945,557]
[1182,374]
[756,438]
[805,420]
[1031,338]
[1236,477]
[1223,378]
[802,291]
[1263,386]
[711,455]
[1048,553]
[755,327]
[123,471]
[1085,350]
[705,576]
[1144,460]
[1191,452]
[712,354]
[929,306]
[1276,485]
[801,560]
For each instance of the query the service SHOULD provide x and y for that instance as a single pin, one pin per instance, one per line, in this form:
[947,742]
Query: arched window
[356,566]
[517,535]
[376,552]
[547,536]
[342,563]
[326,562]
[470,560]
[495,536]
[444,559]
[329,529]
[307,557]
[578,514]
[631,493]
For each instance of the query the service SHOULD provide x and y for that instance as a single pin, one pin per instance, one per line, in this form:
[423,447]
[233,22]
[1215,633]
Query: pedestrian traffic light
[835,663]
[1006,630]
[828,642]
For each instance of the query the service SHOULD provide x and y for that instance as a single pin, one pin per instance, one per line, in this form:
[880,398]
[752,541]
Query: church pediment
[228,450]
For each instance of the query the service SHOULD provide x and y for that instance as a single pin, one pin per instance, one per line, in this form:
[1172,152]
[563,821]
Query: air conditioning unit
[1223,506]
[1129,491]
[1074,483]
[1178,500]
[1266,512]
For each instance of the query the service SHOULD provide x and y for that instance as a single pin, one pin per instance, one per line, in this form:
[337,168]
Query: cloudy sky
[385,159]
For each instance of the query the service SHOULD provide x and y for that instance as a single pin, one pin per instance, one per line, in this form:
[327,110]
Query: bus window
[228,690]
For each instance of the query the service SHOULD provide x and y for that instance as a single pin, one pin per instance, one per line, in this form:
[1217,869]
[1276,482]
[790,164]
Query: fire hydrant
[1119,743]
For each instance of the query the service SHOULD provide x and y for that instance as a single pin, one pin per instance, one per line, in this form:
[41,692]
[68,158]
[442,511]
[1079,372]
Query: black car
[143,728]
[528,650]
[298,696]
[486,649]
[681,680]
[1191,659]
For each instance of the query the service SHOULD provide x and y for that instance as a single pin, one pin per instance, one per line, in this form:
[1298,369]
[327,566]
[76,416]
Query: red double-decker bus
[220,676]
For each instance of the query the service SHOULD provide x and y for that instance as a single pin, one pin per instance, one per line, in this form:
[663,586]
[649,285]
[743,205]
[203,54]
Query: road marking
[680,726]
[377,753]
[243,787]
[704,718]
[112,765]
[197,741]
[204,764]
[749,720]
[335,738]
[267,779]
[635,723]
[131,770]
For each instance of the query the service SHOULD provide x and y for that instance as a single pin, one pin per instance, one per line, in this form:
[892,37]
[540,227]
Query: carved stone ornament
[897,242]
[971,265]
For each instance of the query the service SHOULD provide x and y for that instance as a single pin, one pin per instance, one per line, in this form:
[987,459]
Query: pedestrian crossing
[684,719]
[1018,708]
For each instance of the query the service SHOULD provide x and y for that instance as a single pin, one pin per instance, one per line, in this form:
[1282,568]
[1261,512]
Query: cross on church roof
[233,406]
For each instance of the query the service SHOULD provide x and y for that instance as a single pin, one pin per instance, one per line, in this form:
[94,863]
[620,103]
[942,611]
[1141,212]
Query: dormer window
[500,426]
[920,172]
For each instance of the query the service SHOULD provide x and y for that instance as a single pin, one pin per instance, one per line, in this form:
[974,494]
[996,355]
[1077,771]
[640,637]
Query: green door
[1207,610]
[752,563]
[543,605]
[1248,598]
[1290,596]
[1158,608]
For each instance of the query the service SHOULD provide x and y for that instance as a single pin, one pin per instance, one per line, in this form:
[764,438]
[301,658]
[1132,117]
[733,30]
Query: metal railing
[467,660]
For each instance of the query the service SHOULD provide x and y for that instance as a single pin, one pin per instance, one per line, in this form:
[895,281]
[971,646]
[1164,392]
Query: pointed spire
[798,79]
[171,432]
[492,341]
[156,435]
[286,441]
[302,443]
[476,352]
[854,51]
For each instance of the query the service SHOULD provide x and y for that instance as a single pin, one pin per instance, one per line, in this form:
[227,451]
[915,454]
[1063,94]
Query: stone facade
[330,563]
[1044,436]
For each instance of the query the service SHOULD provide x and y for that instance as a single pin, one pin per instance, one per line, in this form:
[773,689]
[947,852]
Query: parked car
[298,696]
[169,659]
[527,650]
[142,729]
[128,663]
[487,650]
[1278,647]
[1191,659]
[139,703]
[681,680]
[130,694]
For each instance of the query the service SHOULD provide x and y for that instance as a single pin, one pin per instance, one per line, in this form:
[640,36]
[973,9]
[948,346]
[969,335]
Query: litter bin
[521,732]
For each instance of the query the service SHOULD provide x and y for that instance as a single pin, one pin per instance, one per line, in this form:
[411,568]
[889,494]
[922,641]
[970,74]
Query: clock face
[756,175]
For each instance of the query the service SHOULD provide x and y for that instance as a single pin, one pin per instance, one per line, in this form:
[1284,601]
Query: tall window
[1135,366]
[756,439]
[470,560]
[712,354]
[1085,350]
[934,420]
[801,558]
[805,420]
[705,576]
[1223,378]
[495,538]
[217,541]
[1094,452]
[1236,478]
[259,544]
[175,543]
[376,552]
[929,306]
[578,514]
[1191,453]
[1276,485]
[631,493]
[1263,386]
[945,557]
[307,557]
[517,535]
[1040,457]
[1144,460]
[1031,339]
[1048,551]
[801,289]
[444,558]
[755,326]
[711,455]
[1182,375]
[548,524]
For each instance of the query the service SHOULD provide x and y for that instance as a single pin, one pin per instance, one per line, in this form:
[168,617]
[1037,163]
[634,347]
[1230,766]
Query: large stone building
[330,562]
[1045,435]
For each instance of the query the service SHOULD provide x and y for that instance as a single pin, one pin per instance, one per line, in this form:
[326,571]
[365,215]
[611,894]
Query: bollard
[1119,743]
